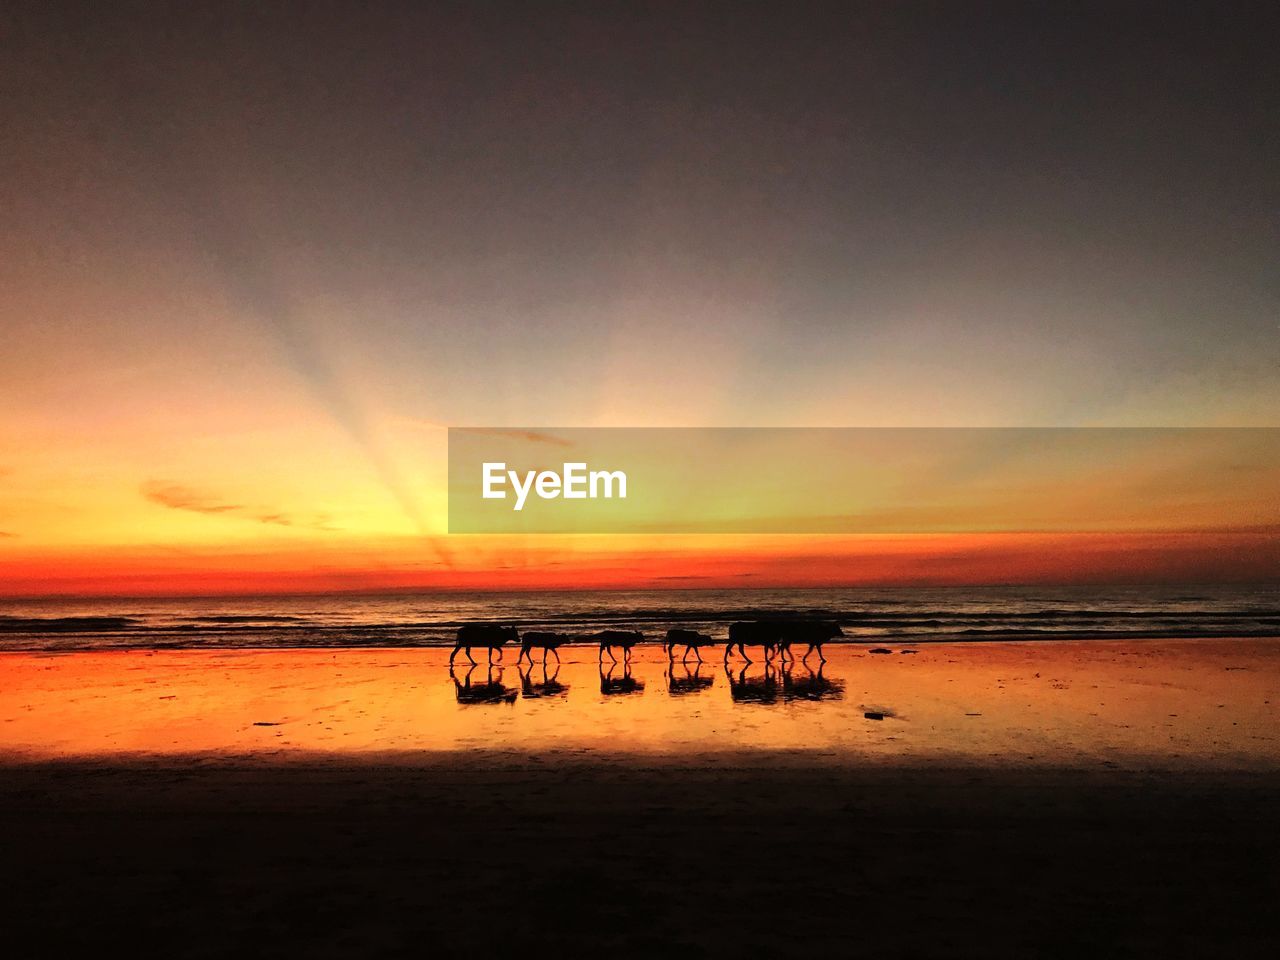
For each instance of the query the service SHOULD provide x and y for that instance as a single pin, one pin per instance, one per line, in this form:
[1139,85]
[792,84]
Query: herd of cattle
[775,637]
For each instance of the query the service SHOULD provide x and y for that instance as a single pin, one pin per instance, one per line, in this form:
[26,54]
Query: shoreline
[898,640]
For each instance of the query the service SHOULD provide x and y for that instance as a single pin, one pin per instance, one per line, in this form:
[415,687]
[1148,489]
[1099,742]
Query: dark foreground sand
[738,854]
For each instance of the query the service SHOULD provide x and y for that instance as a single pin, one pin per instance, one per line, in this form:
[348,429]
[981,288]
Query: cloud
[176,496]
[531,436]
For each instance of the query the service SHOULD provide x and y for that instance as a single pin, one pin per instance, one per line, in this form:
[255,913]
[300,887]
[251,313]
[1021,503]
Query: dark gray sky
[644,213]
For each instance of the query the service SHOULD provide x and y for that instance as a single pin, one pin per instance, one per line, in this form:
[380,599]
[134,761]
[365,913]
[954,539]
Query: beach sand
[1016,800]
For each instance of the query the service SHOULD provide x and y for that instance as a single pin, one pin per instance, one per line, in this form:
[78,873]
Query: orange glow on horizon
[494,563]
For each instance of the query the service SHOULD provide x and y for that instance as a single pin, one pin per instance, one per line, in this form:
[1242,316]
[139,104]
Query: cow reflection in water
[612,686]
[691,682]
[548,686]
[492,690]
[814,686]
[761,689]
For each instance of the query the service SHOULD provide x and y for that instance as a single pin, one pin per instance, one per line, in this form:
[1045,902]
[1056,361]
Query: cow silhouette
[549,642]
[691,640]
[485,635]
[777,636]
[759,633]
[812,632]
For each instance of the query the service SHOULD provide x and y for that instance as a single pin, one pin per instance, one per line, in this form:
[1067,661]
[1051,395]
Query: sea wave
[917,616]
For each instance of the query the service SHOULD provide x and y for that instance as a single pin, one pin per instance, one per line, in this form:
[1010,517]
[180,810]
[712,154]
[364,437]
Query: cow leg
[454,654]
[467,651]
[820,656]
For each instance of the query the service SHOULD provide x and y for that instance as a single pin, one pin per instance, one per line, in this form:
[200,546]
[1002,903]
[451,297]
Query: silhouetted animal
[549,642]
[754,690]
[813,687]
[689,683]
[626,639]
[491,691]
[691,640]
[759,633]
[612,686]
[483,635]
[549,687]
[813,632]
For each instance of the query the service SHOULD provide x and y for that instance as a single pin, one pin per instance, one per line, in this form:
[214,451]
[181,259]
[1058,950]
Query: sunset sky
[252,266]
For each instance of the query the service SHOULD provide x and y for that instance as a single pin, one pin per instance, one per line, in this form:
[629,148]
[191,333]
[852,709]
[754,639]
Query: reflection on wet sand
[1164,703]
[774,685]
[548,686]
[692,681]
[811,685]
[492,690]
[612,686]
[761,689]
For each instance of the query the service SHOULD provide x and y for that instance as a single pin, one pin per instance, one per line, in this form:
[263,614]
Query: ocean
[907,614]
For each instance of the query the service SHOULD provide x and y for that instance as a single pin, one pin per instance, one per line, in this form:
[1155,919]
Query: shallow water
[912,614]
[1161,704]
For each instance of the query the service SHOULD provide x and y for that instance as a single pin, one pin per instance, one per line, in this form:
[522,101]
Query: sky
[256,258]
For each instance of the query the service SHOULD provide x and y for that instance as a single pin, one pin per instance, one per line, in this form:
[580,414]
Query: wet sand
[992,812]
